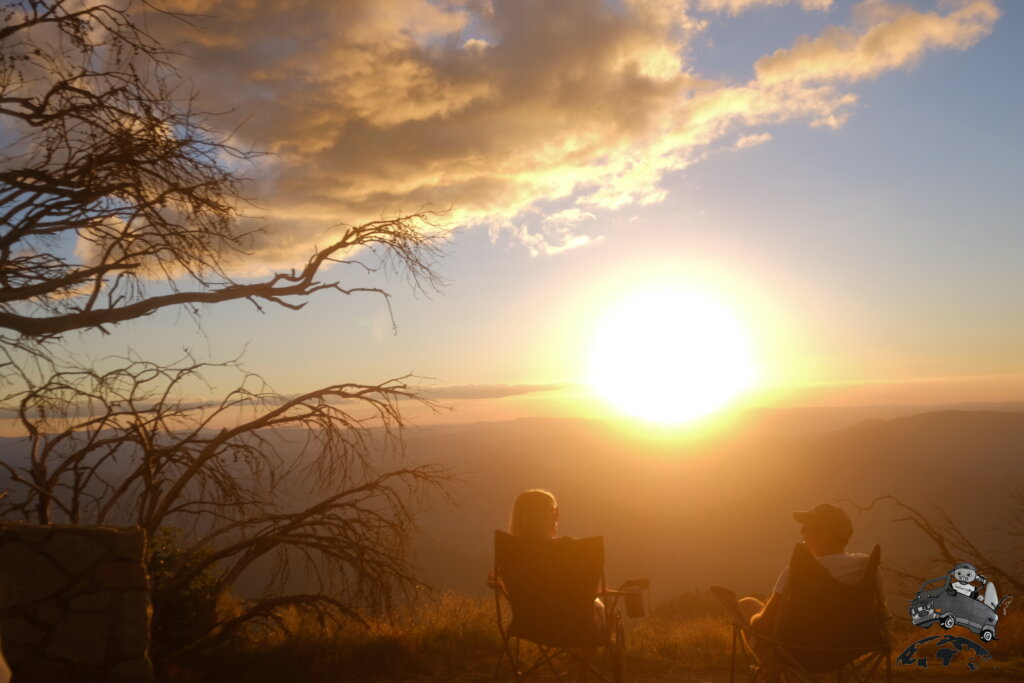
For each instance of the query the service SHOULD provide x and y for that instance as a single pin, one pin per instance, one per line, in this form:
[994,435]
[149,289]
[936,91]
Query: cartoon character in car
[965,574]
[952,600]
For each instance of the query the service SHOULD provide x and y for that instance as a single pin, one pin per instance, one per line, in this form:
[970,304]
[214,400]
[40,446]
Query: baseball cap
[829,518]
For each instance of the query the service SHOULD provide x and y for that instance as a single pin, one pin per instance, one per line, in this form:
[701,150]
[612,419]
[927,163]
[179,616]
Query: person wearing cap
[826,531]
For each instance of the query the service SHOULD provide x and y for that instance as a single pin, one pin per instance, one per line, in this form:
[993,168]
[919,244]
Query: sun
[671,354]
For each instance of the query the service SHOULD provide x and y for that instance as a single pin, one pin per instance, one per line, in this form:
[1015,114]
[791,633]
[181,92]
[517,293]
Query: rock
[17,630]
[90,602]
[42,670]
[75,552]
[31,533]
[123,575]
[48,612]
[26,576]
[131,671]
[133,630]
[130,544]
[81,638]
[15,652]
[74,604]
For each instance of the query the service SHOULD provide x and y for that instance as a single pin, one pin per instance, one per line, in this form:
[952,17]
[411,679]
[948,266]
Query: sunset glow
[671,355]
[315,314]
[798,161]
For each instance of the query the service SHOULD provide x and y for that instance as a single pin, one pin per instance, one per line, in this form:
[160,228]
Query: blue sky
[883,250]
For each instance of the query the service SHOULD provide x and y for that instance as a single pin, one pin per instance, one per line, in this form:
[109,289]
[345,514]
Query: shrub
[182,612]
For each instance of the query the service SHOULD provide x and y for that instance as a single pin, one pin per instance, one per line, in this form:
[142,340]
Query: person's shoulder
[560,541]
[839,557]
[844,561]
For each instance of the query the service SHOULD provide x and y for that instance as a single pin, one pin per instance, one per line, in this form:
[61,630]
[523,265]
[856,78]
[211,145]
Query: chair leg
[513,660]
[618,653]
[497,667]
[548,658]
[732,659]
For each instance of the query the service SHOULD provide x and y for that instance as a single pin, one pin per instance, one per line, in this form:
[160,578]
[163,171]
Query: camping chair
[544,594]
[824,625]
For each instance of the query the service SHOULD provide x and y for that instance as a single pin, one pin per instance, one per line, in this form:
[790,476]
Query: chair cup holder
[634,600]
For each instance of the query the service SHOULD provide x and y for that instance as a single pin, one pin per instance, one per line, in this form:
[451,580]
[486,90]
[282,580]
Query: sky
[842,177]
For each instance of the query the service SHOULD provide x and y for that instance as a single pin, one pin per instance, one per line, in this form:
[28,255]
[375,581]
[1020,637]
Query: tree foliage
[117,199]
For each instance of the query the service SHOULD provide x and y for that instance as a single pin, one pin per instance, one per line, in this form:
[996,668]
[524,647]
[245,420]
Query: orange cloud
[900,37]
[737,6]
[372,108]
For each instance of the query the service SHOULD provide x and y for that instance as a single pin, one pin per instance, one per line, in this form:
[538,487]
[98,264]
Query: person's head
[534,515]
[826,529]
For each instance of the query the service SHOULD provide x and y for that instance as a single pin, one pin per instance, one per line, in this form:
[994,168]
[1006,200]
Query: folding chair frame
[610,668]
[608,646]
[781,659]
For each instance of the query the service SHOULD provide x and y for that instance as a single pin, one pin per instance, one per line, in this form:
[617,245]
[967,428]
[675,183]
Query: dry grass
[444,637]
[452,637]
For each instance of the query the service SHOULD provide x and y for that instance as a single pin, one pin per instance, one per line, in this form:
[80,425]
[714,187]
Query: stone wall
[74,604]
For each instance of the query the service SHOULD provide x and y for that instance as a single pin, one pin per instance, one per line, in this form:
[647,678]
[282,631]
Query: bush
[182,612]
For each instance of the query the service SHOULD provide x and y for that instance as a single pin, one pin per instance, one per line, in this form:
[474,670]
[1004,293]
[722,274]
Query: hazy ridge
[692,514]
[695,512]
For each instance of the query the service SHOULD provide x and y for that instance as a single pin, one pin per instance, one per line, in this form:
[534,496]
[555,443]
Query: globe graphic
[944,651]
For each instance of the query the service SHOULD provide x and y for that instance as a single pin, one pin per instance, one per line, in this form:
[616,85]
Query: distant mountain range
[719,511]
[696,512]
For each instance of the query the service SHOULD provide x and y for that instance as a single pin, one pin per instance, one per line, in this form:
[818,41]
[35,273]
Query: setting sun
[671,355]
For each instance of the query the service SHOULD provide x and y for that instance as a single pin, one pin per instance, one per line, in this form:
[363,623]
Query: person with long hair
[534,515]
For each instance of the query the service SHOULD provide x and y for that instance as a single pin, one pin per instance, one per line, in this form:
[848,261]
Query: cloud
[897,36]
[737,6]
[556,233]
[494,107]
[478,391]
[752,140]
[549,243]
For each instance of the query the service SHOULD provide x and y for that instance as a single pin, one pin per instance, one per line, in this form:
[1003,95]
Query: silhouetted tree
[110,183]
[953,545]
[118,199]
[255,476]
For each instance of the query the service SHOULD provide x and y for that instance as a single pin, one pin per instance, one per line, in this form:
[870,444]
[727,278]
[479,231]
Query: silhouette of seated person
[535,518]
[827,601]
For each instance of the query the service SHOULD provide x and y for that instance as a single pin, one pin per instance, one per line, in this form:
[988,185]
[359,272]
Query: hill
[692,512]
[689,514]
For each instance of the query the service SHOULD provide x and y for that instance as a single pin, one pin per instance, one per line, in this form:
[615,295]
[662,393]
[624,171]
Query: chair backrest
[830,622]
[550,586]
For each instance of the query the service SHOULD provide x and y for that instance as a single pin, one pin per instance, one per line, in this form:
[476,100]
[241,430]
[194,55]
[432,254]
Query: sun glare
[671,355]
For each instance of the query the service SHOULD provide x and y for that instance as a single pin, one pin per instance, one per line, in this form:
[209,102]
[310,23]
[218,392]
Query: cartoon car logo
[938,602]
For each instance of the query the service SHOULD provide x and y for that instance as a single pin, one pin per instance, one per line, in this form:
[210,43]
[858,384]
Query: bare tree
[255,476]
[954,545]
[112,182]
[118,199]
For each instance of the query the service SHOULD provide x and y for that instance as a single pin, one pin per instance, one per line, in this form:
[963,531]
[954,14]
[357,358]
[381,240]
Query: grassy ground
[454,638]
